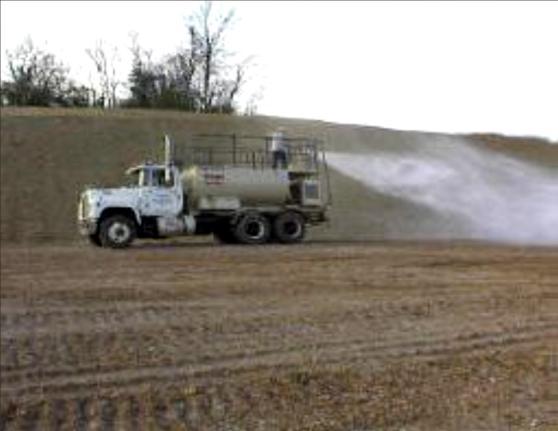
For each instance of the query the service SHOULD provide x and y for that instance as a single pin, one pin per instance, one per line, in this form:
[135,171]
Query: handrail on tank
[303,149]
[238,157]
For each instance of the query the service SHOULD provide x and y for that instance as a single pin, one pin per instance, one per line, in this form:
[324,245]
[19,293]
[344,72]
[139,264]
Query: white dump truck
[237,192]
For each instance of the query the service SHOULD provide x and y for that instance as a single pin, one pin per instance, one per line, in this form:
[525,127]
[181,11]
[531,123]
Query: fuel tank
[232,187]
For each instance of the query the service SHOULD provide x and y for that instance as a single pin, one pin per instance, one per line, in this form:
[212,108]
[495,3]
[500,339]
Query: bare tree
[36,77]
[105,66]
[198,77]
[207,47]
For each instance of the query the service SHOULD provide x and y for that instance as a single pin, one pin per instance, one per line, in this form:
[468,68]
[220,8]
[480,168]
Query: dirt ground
[321,336]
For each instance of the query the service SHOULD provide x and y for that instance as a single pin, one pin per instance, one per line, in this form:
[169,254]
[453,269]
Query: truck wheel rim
[292,229]
[119,232]
[254,229]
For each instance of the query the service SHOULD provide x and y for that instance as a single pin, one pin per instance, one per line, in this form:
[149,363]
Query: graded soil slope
[49,155]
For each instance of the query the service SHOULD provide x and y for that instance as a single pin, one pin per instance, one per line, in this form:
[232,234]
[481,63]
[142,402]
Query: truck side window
[156,179]
[159,179]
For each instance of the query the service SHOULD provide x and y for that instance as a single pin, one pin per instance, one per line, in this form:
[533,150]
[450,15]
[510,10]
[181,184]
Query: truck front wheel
[288,227]
[117,231]
[253,228]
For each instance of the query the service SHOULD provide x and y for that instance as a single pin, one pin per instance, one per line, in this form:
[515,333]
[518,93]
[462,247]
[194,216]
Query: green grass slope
[49,155]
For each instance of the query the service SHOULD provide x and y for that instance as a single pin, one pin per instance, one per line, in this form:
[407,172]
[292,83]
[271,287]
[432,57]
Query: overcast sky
[440,66]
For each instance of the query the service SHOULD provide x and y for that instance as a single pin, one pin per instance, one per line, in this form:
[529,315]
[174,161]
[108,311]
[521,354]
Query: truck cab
[114,217]
[159,190]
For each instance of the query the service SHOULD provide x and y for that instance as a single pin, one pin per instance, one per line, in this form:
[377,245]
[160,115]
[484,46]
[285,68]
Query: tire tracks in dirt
[60,381]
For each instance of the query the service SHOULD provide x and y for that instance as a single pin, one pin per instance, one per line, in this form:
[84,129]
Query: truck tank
[230,187]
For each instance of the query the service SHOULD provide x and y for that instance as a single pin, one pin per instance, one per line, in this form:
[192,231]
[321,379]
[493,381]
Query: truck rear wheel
[288,227]
[253,228]
[117,231]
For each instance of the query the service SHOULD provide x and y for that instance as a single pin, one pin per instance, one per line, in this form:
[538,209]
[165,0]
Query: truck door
[159,198]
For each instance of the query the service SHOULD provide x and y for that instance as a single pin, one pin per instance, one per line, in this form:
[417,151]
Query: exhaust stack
[169,158]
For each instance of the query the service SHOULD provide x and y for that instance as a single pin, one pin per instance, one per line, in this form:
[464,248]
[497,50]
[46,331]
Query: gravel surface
[341,336]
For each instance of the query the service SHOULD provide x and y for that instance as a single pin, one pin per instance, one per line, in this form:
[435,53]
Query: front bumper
[87,227]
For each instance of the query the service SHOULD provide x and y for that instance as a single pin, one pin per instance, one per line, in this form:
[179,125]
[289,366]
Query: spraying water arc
[497,197]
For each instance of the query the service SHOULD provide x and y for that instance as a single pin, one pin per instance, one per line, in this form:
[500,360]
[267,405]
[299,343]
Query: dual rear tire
[288,228]
[254,228]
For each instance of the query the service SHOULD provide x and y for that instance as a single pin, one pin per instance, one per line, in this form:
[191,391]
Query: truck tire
[252,228]
[288,227]
[117,231]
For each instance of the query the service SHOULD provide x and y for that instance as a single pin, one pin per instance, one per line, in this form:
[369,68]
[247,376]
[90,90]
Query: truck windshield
[132,179]
[144,177]
[138,178]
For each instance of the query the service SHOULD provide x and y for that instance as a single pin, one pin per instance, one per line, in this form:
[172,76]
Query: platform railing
[252,151]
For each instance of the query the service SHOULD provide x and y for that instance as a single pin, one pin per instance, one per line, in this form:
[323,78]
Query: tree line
[198,77]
